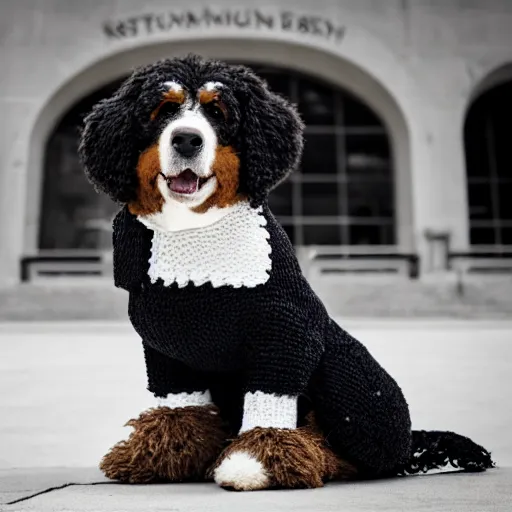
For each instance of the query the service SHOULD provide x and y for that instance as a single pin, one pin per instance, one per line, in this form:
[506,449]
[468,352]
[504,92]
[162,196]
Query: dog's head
[201,133]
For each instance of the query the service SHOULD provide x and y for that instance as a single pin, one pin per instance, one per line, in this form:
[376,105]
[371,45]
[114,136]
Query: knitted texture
[177,400]
[273,338]
[233,251]
[264,410]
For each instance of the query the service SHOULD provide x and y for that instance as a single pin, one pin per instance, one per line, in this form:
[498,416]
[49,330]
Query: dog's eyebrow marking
[171,96]
[212,96]
[207,96]
[212,86]
[209,92]
[174,86]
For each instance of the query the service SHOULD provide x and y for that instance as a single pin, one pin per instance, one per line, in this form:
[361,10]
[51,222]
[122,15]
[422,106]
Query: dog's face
[200,133]
[190,158]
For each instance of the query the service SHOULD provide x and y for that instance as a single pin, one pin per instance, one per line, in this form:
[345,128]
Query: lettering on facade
[286,21]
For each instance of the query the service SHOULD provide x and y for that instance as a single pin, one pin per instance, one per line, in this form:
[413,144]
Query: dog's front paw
[167,445]
[264,458]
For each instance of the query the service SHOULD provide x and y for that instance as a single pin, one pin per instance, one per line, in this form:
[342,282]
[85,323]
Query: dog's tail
[435,451]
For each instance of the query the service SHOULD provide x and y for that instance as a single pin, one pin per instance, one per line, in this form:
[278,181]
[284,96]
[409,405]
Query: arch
[313,61]
[494,78]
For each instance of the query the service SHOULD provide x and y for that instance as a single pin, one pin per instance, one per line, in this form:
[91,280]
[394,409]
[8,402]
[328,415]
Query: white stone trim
[177,400]
[269,410]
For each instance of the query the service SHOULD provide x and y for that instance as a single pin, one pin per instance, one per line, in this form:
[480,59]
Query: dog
[255,385]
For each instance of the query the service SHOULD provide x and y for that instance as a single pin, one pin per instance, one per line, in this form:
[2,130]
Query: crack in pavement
[56,488]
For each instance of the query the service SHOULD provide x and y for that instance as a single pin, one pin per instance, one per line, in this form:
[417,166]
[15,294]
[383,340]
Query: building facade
[406,104]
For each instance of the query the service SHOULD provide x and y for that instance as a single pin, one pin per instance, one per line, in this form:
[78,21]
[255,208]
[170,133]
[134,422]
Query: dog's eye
[168,108]
[214,111]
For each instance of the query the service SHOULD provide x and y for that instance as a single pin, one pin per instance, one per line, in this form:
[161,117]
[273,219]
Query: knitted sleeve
[285,349]
[132,245]
[286,337]
[167,376]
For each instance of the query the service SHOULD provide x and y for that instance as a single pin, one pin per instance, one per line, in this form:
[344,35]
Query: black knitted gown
[275,337]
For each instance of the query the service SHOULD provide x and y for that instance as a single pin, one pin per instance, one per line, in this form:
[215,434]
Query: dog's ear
[108,146]
[271,138]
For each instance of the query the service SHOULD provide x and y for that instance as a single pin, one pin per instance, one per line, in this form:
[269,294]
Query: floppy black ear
[108,146]
[271,139]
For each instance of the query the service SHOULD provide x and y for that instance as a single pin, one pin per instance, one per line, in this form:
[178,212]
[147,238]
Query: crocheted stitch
[233,251]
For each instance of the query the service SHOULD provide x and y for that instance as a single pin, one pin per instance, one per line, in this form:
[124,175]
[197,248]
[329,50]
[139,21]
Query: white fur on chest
[234,251]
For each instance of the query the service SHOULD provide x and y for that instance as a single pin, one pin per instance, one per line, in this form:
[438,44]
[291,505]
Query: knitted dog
[238,348]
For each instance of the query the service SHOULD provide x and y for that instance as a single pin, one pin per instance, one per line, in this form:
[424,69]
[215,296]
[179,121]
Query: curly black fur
[435,450]
[264,128]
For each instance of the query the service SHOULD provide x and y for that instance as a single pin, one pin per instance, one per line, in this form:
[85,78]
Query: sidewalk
[482,492]
[66,389]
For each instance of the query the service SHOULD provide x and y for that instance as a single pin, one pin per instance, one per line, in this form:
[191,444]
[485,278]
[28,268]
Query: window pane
[503,153]
[322,235]
[370,198]
[319,155]
[370,234]
[367,155]
[505,194]
[483,236]
[480,201]
[355,114]
[506,236]
[499,107]
[320,199]
[280,200]
[316,102]
[73,216]
[278,82]
[476,143]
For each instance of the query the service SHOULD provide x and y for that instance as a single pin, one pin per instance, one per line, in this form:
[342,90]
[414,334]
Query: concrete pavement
[66,389]
[484,492]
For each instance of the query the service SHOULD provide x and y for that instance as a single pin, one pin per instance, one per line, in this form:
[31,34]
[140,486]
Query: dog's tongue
[184,183]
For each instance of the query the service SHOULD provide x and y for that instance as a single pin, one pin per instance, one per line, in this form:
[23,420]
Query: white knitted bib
[234,251]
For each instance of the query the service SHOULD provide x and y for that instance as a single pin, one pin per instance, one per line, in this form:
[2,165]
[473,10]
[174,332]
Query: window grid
[341,178]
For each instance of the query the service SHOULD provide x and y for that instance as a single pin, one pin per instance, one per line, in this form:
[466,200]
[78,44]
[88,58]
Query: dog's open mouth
[187,182]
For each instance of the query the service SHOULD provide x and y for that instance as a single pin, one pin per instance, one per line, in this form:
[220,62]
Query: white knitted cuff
[269,410]
[194,399]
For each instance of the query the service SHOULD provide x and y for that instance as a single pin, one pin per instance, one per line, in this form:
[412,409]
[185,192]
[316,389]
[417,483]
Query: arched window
[343,193]
[489,167]
[73,215]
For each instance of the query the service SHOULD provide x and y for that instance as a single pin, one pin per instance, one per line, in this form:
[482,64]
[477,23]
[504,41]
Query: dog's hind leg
[360,409]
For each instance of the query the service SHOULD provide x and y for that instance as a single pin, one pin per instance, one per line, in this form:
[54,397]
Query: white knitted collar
[233,251]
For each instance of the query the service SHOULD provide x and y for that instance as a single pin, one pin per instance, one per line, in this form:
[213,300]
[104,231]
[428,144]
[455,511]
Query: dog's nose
[187,144]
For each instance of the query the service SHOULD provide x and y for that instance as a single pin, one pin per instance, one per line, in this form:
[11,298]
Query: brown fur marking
[344,470]
[226,168]
[207,96]
[293,459]
[149,200]
[169,97]
[212,97]
[167,445]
